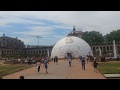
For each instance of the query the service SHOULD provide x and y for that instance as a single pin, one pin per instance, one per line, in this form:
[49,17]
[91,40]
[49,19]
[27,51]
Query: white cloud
[102,21]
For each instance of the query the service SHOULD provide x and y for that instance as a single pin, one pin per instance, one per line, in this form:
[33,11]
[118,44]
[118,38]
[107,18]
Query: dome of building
[8,42]
[71,44]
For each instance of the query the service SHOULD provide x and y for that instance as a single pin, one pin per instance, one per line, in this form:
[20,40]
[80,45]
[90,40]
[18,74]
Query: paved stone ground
[76,72]
[59,71]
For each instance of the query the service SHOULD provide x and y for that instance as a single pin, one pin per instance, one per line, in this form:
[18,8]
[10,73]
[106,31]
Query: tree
[92,37]
[114,35]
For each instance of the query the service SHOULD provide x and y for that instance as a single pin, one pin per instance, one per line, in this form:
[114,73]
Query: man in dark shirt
[46,65]
[69,58]
[83,63]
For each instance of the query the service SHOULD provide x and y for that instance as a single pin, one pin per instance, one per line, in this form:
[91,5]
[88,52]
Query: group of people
[83,60]
[55,59]
[45,63]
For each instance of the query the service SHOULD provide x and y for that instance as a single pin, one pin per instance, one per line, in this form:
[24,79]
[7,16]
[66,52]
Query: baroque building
[13,47]
[75,33]
[10,46]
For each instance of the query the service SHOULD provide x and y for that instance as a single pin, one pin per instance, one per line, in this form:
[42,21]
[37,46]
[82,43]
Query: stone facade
[106,49]
[13,47]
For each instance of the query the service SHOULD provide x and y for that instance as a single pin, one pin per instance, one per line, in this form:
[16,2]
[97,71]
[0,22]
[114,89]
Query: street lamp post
[37,37]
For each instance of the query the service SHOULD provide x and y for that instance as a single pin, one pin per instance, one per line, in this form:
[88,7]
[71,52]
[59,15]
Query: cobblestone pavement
[59,71]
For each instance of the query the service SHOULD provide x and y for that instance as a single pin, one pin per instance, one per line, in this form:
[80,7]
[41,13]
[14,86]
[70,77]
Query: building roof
[75,33]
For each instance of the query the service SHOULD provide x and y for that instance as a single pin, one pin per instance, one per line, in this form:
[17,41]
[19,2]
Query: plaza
[59,71]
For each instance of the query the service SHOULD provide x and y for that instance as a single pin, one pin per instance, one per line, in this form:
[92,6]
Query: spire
[3,34]
[74,28]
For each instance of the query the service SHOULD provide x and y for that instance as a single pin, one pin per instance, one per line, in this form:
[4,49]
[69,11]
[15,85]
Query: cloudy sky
[54,25]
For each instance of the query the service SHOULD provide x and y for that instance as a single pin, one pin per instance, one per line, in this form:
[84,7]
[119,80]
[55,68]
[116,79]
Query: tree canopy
[93,37]
[114,35]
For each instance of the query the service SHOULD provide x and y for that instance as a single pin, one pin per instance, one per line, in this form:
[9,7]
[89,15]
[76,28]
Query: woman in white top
[38,64]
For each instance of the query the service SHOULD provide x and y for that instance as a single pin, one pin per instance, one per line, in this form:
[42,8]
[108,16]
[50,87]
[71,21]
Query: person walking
[42,61]
[87,58]
[38,64]
[56,59]
[95,65]
[52,59]
[46,62]
[83,63]
[69,58]
[80,57]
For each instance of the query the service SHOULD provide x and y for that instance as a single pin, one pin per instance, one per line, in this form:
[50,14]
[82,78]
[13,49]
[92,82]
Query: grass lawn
[109,67]
[11,68]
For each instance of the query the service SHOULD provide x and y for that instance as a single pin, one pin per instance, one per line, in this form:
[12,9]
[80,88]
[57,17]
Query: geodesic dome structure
[71,44]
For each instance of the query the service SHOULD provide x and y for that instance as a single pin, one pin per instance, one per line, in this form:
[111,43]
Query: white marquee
[71,44]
